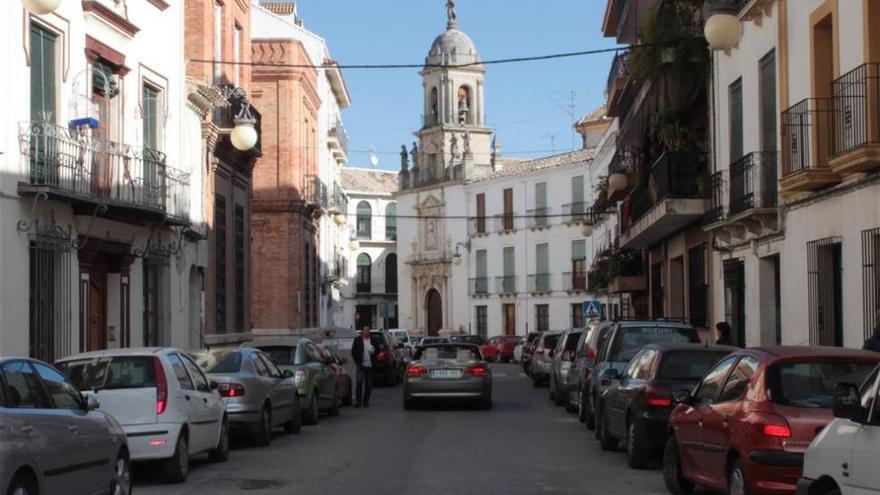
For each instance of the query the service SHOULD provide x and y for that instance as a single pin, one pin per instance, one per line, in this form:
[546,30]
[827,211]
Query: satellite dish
[374,161]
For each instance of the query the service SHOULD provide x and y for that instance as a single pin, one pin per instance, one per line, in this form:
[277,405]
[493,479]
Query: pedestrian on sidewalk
[722,333]
[873,343]
[362,351]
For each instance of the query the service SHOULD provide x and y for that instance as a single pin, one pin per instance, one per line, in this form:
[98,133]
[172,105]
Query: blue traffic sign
[592,309]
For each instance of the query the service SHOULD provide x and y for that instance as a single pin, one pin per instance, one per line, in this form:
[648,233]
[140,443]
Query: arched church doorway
[434,310]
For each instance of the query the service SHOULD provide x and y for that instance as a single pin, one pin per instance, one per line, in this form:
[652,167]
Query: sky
[528,104]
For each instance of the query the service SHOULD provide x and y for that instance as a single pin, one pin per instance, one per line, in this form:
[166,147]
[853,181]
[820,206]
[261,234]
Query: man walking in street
[362,351]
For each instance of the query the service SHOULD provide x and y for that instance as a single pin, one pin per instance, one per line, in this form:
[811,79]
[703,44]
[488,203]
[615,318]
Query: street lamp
[587,230]
[456,258]
[41,7]
[339,218]
[617,182]
[723,29]
[244,134]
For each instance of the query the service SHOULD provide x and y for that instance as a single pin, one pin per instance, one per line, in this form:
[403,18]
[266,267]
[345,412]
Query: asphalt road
[524,445]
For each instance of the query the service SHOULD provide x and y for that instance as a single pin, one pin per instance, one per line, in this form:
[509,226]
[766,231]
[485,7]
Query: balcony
[579,212]
[679,185]
[540,283]
[505,223]
[477,227]
[479,286]
[75,167]
[538,218]
[754,10]
[753,184]
[806,144]
[716,210]
[315,192]
[618,78]
[627,162]
[337,202]
[574,281]
[855,122]
[337,141]
[506,285]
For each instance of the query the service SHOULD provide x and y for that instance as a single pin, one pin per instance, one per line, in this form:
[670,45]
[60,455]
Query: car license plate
[445,373]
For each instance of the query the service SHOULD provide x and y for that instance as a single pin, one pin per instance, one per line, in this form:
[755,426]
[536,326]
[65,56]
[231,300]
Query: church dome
[454,48]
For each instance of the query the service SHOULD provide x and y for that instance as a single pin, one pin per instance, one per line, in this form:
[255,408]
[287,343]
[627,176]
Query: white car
[403,337]
[844,459]
[167,407]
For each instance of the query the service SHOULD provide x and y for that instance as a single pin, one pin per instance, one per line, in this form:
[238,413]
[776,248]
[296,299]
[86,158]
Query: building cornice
[106,14]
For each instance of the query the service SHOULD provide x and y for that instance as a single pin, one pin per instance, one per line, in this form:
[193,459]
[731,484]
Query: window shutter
[577,193]
[508,202]
[481,264]
[768,102]
[578,250]
[42,74]
[540,195]
[509,262]
[542,258]
[736,120]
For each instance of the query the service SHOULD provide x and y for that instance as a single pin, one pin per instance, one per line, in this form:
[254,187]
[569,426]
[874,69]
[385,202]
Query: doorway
[510,319]
[434,310]
[364,315]
[676,287]
[735,300]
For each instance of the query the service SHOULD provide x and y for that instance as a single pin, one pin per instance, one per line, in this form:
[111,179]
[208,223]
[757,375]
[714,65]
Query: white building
[100,192]
[797,113]
[370,273]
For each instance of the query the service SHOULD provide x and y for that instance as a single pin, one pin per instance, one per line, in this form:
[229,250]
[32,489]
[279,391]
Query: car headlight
[299,376]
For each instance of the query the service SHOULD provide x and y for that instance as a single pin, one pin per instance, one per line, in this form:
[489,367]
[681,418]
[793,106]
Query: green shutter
[481,264]
[577,194]
[736,120]
[540,195]
[42,74]
[150,105]
[768,102]
[509,262]
[542,258]
[578,250]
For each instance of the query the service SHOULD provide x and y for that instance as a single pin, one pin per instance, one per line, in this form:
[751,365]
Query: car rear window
[687,365]
[634,338]
[811,384]
[448,352]
[572,341]
[219,361]
[280,355]
[550,341]
[111,372]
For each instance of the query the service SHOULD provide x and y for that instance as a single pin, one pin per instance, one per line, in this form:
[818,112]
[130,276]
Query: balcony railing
[477,226]
[505,285]
[75,165]
[315,191]
[579,212]
[856,98]
[337,201]
[753,182]
[803,123]
[505,222]
[540,282]
[574,281]
[716,188]
[538,218]
[677,174]
[338,134]
[479,286]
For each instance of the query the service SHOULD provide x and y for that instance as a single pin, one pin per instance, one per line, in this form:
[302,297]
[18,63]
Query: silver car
[560,377]
[52,439]
[448,372]
[258,396]
[541,363]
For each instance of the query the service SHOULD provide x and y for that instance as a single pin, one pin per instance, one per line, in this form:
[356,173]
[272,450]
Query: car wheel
[263,431]
[120,482]
[606,441]
[334,408]
[638,454]
[221,451]
[23,484]
[294,426]
[177,467]
[737,484]
[675,481]
[311,414]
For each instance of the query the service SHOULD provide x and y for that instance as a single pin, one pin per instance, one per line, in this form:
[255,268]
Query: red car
[500,348]
[746,426]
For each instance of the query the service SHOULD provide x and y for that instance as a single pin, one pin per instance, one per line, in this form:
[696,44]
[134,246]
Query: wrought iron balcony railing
[505,285]
[477,226]
[716,193]
[856,101]
[479,286]
[505,222]
[339,134]
[802,124]
[315,191]
[539,217]
[540,283]
[753,182]
[574,281]
[677,174]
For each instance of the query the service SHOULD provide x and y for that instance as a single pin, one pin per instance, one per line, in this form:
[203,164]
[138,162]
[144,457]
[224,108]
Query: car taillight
[781,431]
[771,425]
[231,389]
[161,385]
[416,370]
[476,371]
[381,356]
[658,397]
[590,354]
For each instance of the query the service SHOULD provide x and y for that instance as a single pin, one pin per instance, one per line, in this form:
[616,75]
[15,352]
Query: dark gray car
[448,372]
[53,439]
[585,357]
[560,376]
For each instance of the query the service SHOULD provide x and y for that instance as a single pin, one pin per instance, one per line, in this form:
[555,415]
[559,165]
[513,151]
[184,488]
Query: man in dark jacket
[362,351]
[873,343]
[722,333]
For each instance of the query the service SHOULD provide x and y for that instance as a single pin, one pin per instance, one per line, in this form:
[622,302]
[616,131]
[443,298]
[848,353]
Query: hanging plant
[673,22]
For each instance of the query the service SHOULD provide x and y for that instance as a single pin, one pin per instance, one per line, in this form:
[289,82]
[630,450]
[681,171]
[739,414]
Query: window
[482,321]
[698,292]
[657,290]
[542,266]
[196,374]
[641,365]
[43,80]
[481,283]
[236,53]
[579,265]
[220,262]
[540,213]
[509,279]
[735,102]
[391,274]
[710,387]
[218,42]
[150,104]
[239,268]
[180,372]
[260,366]
[542,317]
[481,213]
[825,292]
[391,222]
[577,316]
[364,273]
[508,209]
[49,290]
[364,220]
[871,279]
[738,381]
[435,107]
[22,387]
[273,370]
[768,111]
[63,394]
[811,384]
[577,196]
[155,278]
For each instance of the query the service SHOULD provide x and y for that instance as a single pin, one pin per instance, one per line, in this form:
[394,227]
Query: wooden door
[510,319]
[97,308]
[434,309]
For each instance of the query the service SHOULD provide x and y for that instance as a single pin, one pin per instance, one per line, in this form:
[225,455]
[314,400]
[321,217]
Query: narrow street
[524,445]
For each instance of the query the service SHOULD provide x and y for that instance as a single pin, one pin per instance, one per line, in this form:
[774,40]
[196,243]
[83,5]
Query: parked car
[542,357]
[313,375]
[448,372]
[843,458]
[343,378]
[43,422]
[518,351]
[622,342]
[257,394]
[527,350]
[403,337]
[168,408]
[563,356]
[637,408]
[389,361]
[500,348]
[746,426]
[591,339]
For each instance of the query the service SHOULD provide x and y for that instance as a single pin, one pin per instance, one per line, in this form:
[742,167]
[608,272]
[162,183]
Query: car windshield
[634,338]
[687,365]
[550,341]
[219,361]
[456,352]
[281,355]
[572,341]
[811,383]
[110,373]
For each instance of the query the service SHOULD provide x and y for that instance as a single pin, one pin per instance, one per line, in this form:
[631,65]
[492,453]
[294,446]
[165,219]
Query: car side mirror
[682,396]
[846,403]
[214,385]
[90,402]
[287,374]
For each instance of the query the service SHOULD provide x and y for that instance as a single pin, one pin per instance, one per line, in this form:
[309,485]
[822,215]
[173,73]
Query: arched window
[465,105]
[364,274]
[435,108]
[391,274]
[364,220]
[391,222]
